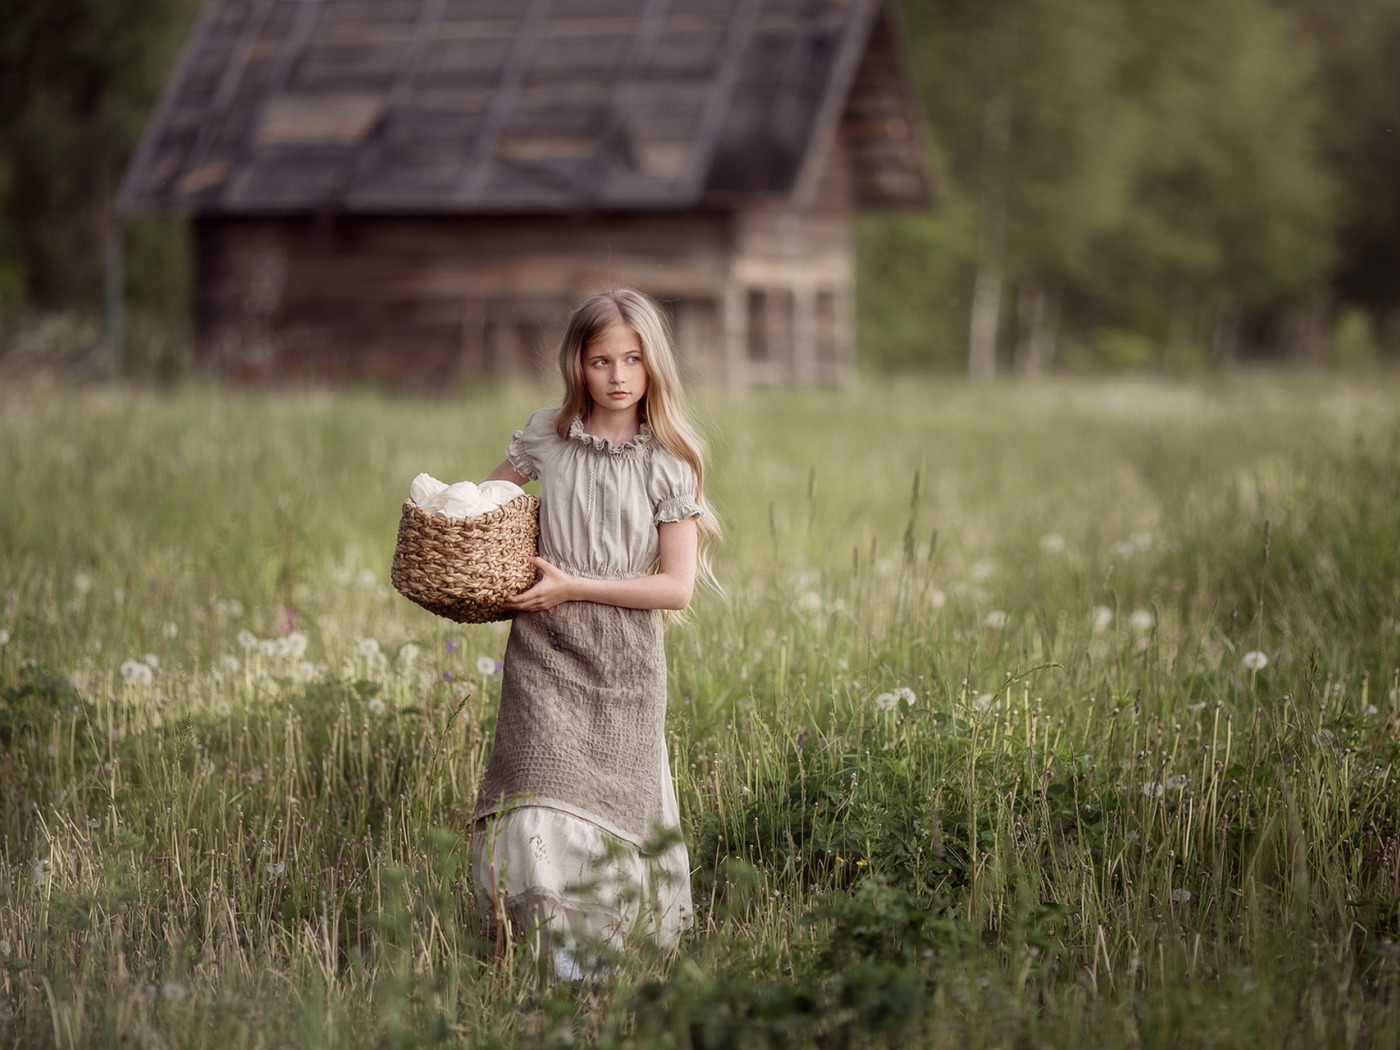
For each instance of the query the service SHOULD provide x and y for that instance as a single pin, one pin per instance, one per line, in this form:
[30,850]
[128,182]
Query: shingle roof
[472,106]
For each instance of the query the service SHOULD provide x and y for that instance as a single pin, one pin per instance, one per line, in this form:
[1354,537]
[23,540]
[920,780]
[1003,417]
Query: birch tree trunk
[987,288]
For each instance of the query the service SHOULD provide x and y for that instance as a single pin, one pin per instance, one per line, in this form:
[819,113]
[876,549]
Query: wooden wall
[760,296]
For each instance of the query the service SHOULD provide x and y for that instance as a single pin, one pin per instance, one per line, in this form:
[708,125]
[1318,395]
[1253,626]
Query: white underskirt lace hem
[561,882]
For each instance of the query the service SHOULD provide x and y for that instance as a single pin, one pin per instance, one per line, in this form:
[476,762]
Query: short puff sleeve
[672,488]
[534,444]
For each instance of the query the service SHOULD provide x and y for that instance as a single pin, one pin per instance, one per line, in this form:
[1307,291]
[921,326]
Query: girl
[571,824]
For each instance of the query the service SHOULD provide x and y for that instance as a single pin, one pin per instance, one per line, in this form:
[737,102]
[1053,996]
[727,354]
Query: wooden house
[418,191]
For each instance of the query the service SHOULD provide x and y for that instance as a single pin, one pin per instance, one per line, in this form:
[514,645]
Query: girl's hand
[554,587]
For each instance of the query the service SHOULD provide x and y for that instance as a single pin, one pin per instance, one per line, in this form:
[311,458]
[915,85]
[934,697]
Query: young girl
[578,782]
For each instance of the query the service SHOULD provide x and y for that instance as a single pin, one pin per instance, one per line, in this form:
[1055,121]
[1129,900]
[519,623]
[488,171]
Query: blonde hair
[663,408]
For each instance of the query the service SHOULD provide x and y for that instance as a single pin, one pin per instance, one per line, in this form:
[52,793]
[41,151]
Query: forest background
[1120,185]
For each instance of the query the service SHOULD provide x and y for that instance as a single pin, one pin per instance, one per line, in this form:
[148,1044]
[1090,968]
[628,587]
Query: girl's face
[613,370]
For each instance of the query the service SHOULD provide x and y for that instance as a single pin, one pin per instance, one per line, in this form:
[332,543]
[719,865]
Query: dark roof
[470,106]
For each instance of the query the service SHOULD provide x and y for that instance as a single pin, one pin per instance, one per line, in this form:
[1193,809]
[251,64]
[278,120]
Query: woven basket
[464,568]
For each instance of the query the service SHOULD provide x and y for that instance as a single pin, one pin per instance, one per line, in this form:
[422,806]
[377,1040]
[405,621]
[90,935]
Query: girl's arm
[506,472]
[670,588]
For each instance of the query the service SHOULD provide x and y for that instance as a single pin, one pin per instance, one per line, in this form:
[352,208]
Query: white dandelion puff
[171,630]
[223,709]
[268,647]
[368,647]
[278,868]
[1254,660]
[1102,618]
[486,665]
[984,701]
[43,869]
[1178,782]
[1141,540]
[230,663]
[937,598]
[4,637]
[247,639]
[408,653]
[1153,789]
[136,673]
[376,707]
[886,702]
[174,992]
[809,602]
[342,575]
[1196,705]
[908,695]
[151,661]
[1141,621]
[1181,895]
[5,948]
[981,570]
[367,579]
[296,644]
[82,583]
[996,619]
[228,608]
[1052,543]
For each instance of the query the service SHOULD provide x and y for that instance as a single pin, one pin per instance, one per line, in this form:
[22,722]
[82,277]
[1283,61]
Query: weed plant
[1047,715]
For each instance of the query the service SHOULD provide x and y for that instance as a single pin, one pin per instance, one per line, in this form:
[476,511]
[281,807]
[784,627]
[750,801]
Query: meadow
[1055,714]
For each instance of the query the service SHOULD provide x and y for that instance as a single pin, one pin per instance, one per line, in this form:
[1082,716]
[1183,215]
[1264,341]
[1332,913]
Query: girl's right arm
[506,472]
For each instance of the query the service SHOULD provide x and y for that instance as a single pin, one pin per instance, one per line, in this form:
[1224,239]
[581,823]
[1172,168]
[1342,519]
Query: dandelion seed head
[937,598]
[230,663]
[43,869]
[1102,617]
[368,647]
[228,608]
[1052,543]
[1181,895]
[809,602]
[984,701]
[1254,660]
[4,637]
[981,570]
[486,665]
[137,673]
[174,992]
[5,948]
[82,583]
[1178,782]
[247,639]
[151,661]
[278,868]
[907,695]
[367,579]
[296,643]
[886,702]
[1196,705]
[408,653]
[171,630]
[223,709]
[1141,620]
[996,620]
[376,706]
[1153,789]
[269,647]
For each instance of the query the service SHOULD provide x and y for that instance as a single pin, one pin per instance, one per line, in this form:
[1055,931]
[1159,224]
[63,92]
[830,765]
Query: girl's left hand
[551,589]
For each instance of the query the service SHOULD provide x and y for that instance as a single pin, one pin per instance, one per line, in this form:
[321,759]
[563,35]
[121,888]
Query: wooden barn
[416,192]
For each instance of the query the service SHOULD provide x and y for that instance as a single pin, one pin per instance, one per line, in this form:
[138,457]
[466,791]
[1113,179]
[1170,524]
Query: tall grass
[1035,715]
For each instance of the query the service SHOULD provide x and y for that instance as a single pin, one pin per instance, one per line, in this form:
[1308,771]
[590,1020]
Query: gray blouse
[600,503]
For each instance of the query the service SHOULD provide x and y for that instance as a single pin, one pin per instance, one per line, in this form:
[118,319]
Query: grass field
[1035,715]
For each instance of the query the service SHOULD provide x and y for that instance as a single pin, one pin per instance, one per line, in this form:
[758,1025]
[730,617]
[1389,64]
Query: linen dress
[578,781]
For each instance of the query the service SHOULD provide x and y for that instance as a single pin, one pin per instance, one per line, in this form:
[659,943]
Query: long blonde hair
[664,406]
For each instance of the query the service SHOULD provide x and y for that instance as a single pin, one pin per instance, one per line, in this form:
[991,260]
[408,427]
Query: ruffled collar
[577,433]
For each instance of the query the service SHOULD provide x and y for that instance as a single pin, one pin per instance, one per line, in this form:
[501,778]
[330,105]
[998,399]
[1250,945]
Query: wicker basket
[463,568]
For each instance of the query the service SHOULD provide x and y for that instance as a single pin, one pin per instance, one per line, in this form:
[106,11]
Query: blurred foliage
[1139,185]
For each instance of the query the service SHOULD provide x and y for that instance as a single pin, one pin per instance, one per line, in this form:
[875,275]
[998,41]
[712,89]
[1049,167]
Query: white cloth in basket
[465,499]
